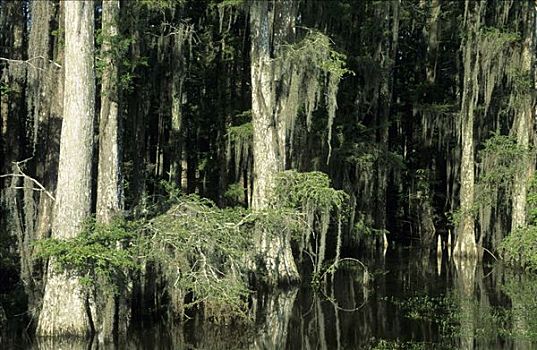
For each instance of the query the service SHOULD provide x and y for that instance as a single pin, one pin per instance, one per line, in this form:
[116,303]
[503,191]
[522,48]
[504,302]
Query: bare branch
[28,61]
[21,173]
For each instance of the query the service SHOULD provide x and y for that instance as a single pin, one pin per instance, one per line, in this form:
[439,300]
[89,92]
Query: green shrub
[100,253]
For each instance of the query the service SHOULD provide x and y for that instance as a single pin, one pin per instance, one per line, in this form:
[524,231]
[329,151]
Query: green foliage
[202,249]
[520,247]
[100,253]
[311,195]
[118,54]
[199,247]
[502,158]
[235,192]
[159,5]
[425,307]
[316,49]
[522,83]
[362,228]
[242,133]
[368,156]
[498,36]
[383,344]
[308,190]
[279,221]
[5,89]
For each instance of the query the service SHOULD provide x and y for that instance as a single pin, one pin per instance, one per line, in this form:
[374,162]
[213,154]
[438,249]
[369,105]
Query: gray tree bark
[178,77]
[269,143]
[65,304]
[523,125]
[466,242]
[109,188]
[109,199]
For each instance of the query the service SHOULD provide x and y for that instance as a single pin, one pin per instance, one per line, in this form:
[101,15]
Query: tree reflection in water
[404,304]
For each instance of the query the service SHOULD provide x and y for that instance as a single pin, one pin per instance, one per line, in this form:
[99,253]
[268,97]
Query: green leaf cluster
[306,190]
[241,133]
[502,158]
[101,252]
[317,50]
[118,54]
[203,249]
[520,246]
[198,247]
[234,192]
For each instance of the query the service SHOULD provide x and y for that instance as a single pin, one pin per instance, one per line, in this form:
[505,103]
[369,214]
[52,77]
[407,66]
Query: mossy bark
[523,125]
[276,260]
[466,245]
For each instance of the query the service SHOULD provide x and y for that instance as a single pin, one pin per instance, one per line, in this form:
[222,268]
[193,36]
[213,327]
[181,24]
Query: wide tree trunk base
[65,310]
[275,265]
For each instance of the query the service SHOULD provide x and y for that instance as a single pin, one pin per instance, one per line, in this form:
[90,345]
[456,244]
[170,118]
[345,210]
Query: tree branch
[28,61]
[21,173]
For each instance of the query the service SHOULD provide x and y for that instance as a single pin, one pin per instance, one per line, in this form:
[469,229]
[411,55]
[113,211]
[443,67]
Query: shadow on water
[407,300]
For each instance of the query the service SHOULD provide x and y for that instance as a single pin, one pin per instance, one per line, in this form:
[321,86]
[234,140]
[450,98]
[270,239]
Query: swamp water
[407,300]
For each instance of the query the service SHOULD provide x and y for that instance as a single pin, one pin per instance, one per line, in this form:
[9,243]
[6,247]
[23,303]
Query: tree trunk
[523,125]
[276,258]
[109,177]
[65,304]
[432,32]
[178,77]
[109,193]
[12,77]
[466,241]
[388,63]
[44,98]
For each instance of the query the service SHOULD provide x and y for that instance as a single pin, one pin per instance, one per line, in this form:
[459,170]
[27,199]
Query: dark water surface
[406,300]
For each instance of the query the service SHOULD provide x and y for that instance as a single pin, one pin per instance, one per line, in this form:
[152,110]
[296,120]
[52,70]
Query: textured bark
[267,159]
[44,106]
[12,76]
[466,241]
[65,305]
[109,190]
[109,194]
[523,125]
[268,145]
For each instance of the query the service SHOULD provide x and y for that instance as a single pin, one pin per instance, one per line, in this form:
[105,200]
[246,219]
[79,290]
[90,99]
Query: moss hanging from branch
[310,193]
[240,139]
[501,160]
[438,123]
[493,56]
[305,71]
